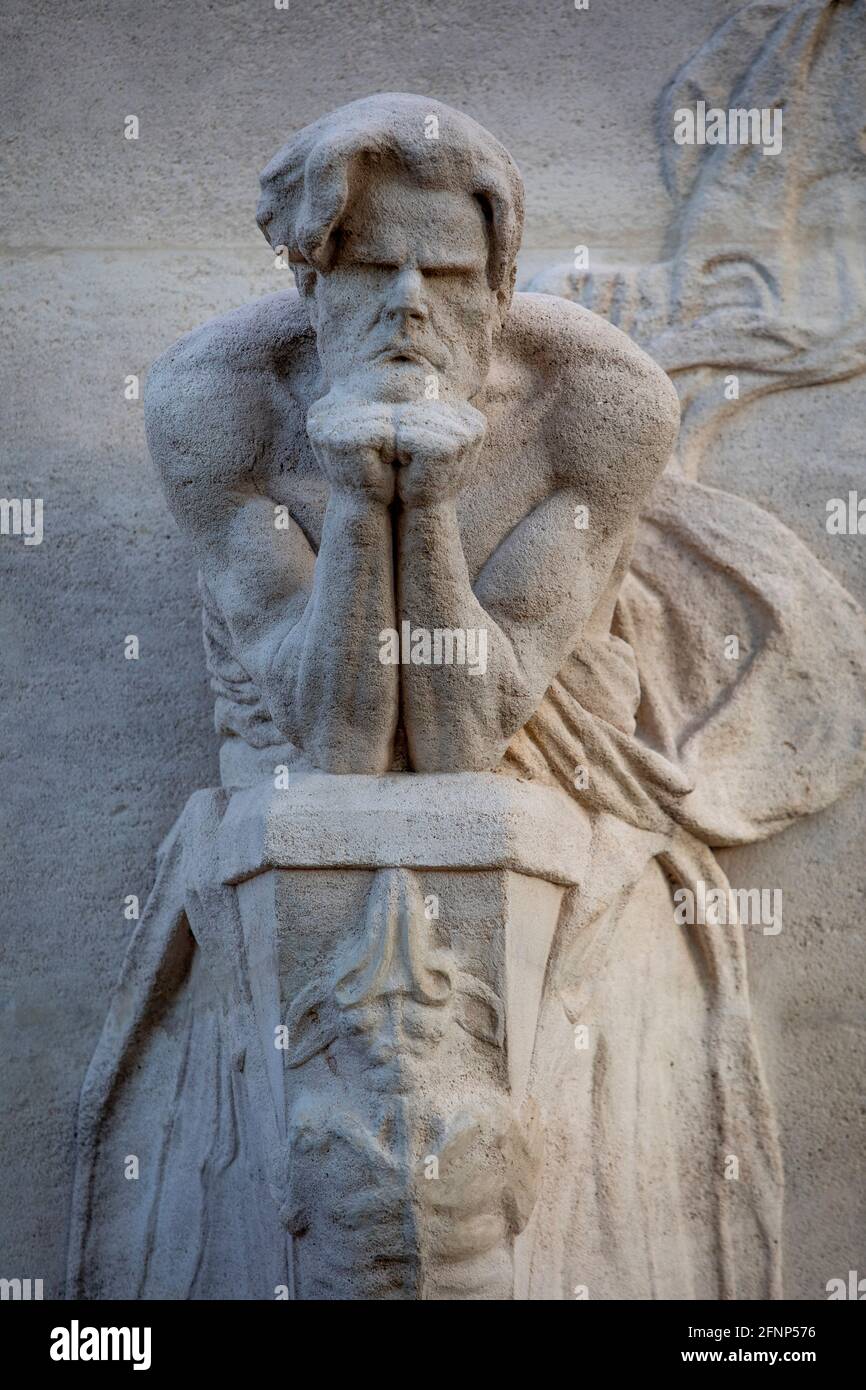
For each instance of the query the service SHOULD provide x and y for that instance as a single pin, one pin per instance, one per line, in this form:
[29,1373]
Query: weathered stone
[448,457]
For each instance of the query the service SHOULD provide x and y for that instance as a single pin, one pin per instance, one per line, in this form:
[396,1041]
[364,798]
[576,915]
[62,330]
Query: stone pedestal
[396,933]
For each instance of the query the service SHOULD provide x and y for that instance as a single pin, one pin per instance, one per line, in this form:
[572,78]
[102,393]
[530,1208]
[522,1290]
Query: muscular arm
[540,587]
[305,628]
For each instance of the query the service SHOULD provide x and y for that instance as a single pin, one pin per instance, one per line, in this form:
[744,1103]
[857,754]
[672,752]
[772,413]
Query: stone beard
[420,1026]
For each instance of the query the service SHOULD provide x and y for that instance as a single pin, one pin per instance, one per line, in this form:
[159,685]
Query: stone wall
[111,248]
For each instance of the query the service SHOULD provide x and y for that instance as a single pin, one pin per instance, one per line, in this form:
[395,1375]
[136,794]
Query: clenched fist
[354,443]
[424,452]
[437,445]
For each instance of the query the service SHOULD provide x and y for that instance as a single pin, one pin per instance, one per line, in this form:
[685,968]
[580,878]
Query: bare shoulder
[608,402]
[209,397]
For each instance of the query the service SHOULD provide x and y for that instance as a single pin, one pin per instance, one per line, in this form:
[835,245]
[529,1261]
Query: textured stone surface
[391,1123]
[465,821]
[402,445]
[219,86]
[790,441]
[116,748]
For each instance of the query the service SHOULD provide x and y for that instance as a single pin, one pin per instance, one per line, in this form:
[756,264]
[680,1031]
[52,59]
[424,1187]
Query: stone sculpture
[763,273]
[408,1014]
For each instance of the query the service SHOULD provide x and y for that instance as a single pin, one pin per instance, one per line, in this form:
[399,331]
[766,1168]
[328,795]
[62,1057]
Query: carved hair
[307,185]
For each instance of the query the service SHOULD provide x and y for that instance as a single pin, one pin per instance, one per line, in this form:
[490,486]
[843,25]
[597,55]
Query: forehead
[393,216]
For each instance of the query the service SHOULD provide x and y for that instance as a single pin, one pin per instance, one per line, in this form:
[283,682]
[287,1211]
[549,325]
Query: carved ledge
[396,979]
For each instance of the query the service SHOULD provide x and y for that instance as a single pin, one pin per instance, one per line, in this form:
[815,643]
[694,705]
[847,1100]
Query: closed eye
[376,265]
[435,271]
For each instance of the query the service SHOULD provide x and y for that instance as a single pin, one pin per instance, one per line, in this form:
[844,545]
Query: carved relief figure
[451,513]
[404,444]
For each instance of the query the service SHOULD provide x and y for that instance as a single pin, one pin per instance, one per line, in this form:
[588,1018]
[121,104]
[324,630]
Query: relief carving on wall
[409,1013]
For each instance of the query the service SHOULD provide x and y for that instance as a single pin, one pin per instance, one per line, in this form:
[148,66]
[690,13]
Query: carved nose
[397,955]
[407,299]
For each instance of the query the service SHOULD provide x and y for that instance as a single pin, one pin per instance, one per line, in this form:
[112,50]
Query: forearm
[462,713]
[326,687]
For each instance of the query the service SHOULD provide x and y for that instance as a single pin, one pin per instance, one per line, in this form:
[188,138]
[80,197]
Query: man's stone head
[402,220]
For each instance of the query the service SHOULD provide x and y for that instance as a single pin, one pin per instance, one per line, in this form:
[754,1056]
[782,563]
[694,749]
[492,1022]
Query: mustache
[416,349]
